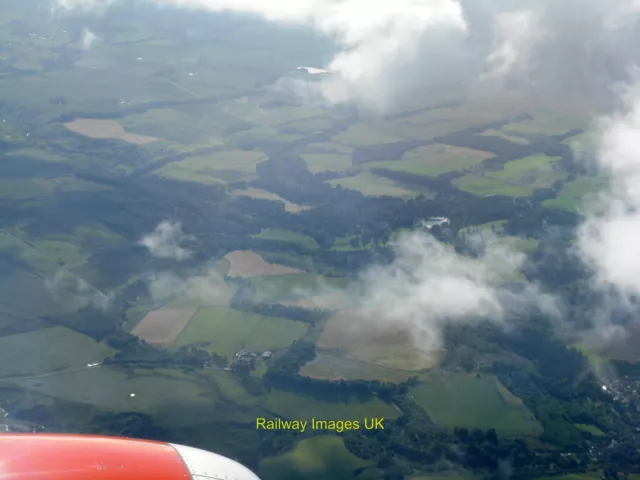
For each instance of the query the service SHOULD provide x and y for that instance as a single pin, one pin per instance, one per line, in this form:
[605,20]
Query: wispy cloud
[165,240]
[68,288]
[516,34]
[88,39]
[429,285]
[207,288]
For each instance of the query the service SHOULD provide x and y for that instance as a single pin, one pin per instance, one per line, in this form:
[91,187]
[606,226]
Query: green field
[229,331]
[434,160]
[301,407]
[518,178]
[294,286]
[443,476]
[441,121]
[582,476]
[45,256]
[584,143]
[496,227]
[467,401]
[306,126]
[155,391]
[287,236]
[93,236]
[261,133]
[263,194]
[344,244]
[574,193]
[598,358]
[230,388]
[372,185]
[48,350]
[484,187]
[190,126]
[526,164]
[536,171]
[592,429]
[328,147]
[285,117]
[333,367]
[548,123]
[36,188]
[327,162]
[367,133]
[215,168]
[68,246]
[527,245]
[505,136]
[15,313]
[177,172]
[317,458]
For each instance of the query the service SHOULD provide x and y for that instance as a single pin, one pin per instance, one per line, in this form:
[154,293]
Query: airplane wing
[88,457]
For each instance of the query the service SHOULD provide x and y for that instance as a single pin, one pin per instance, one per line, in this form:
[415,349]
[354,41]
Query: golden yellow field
[162,327]
[245,263]
[96,128]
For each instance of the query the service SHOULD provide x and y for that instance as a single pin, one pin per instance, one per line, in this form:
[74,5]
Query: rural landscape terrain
[186,246]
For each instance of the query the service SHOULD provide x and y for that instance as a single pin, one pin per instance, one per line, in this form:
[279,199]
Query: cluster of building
[250,359]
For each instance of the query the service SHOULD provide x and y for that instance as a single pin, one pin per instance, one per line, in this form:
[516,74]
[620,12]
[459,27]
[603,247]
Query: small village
[245,358]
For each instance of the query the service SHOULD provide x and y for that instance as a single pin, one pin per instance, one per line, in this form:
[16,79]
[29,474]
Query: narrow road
[44,375]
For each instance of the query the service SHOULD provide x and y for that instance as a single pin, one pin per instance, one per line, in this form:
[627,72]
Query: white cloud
[207,288]
[428,285]
[516,35]
[609,238]
[69,289]
[164,242]
[88,39]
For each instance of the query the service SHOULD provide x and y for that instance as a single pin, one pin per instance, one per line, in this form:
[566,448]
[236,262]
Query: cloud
[608,239]
[164,242]
[429,285]
[88,39]
[516,35]
[207,288]
[388,50]
[69,289]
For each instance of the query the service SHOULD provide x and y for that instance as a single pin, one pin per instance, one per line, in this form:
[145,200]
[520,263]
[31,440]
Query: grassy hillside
[48,350]
[227,331]
[317,458]
[466,401]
